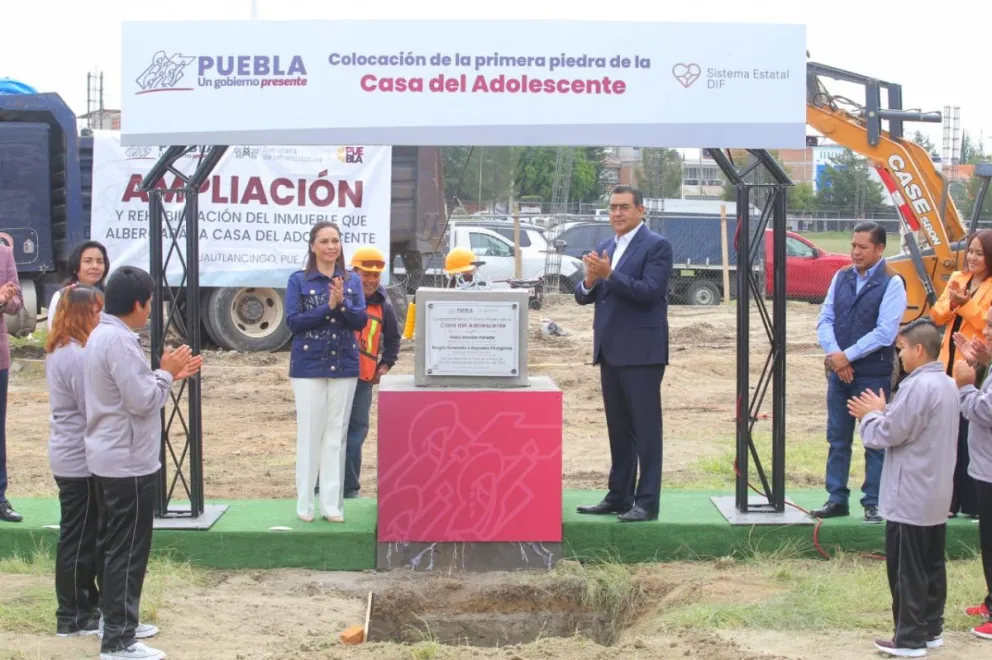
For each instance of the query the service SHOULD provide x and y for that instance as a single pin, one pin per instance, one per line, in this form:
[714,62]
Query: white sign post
[462,82]
[256,208]
[472,338]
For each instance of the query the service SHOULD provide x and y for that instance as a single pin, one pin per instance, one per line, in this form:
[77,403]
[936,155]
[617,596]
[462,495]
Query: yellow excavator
[918,189]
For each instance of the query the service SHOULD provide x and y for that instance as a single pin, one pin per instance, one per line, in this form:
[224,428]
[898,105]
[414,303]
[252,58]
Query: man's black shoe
[602,508]
[871,515]
[8,514]
[831,510]
[637,514]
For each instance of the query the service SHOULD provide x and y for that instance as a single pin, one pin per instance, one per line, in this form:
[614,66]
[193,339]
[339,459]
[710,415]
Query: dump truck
[46,168]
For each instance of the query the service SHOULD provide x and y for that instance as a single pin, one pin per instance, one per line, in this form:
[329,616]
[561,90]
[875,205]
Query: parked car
[494,247]
[698,274]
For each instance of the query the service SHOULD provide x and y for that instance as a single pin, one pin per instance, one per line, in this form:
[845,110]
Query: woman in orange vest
[378,349]
[961,309]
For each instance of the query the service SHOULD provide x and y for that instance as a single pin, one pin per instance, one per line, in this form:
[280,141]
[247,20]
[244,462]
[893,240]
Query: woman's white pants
[323,408]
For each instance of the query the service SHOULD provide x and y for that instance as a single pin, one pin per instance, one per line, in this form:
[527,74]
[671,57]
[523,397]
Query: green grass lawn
[840,241]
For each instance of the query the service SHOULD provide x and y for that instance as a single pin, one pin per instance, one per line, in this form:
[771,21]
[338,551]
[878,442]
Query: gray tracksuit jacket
[976,406]
[919,432]
[124,399]
[64,370]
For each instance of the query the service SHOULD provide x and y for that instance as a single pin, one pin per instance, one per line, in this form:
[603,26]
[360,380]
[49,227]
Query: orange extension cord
[819,521]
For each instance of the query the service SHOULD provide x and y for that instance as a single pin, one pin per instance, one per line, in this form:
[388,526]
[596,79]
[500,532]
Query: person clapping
[976,406]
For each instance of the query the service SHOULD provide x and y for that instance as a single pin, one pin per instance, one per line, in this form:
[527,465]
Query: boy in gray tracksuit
[124,399]
[918,432]
[976,407]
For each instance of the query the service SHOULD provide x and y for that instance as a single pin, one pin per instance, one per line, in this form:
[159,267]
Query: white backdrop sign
[256,207]
[525,83]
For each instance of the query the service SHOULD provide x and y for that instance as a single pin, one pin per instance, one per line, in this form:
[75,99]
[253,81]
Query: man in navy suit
[627,279]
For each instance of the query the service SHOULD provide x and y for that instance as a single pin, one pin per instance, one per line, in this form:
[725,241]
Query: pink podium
[481,465]
[470,444]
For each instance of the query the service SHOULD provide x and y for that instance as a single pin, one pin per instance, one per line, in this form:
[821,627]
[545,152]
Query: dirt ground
[293,614]
[249,420]
[249,445]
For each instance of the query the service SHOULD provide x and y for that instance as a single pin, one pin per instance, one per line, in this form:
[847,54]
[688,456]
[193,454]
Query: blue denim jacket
[324,341]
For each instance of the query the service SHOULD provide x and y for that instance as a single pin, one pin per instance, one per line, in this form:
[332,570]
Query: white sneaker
[143,631]
[135,651]
[935,643]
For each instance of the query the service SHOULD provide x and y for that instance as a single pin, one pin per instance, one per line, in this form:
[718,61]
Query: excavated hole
[460,613]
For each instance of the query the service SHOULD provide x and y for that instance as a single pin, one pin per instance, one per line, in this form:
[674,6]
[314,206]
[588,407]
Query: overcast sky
[936,54]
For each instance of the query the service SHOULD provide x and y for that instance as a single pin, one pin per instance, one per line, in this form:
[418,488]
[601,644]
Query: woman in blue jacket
[325,305]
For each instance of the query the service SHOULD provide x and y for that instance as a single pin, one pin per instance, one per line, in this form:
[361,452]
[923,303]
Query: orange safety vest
[368,343]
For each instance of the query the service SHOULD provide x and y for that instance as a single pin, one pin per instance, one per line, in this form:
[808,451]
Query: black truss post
[750,248]
[183,317]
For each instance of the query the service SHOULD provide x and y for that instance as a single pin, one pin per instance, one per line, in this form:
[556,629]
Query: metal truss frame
[176,307]
[750,244]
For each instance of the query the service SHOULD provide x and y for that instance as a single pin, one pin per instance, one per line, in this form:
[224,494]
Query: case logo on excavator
[914,194]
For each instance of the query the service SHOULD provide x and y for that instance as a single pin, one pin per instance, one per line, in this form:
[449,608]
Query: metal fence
[549,248]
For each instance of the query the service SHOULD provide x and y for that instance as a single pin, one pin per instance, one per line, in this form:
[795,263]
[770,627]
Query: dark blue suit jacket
[630,326]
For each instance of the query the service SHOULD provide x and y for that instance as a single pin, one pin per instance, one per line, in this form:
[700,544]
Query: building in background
[99,120]
[702,178]
[619,167]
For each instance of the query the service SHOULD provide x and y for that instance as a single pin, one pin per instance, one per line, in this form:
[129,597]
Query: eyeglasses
[372,264]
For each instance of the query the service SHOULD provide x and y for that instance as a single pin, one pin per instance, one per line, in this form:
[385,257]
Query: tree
[757,176]
[972,153]
[965,194]
[659,175]
[848,187]
[535,173]
[925,142]
[490,168]
[801,197]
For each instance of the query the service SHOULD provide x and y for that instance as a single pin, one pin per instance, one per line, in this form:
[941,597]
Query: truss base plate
[759,512]
[178,517]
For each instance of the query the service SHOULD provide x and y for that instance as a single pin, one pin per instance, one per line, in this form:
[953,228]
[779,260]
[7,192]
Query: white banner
[256,208]
[525,83]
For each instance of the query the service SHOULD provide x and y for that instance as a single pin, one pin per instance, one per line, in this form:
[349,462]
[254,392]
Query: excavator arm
[917,188]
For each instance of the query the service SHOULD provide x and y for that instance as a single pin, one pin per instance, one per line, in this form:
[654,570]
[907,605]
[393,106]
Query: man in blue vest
[857,328]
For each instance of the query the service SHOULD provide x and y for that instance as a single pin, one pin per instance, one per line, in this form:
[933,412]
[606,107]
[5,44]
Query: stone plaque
[472,338]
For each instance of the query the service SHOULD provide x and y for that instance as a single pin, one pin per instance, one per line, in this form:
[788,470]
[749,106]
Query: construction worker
[462,269]
[378,348]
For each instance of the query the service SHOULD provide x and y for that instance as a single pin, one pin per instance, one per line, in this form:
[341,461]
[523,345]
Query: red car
[808,268]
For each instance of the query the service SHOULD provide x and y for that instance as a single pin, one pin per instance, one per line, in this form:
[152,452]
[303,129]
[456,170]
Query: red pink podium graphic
[469,474]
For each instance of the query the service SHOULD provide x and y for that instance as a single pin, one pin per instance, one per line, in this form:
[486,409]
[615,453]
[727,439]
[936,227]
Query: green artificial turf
[690,527]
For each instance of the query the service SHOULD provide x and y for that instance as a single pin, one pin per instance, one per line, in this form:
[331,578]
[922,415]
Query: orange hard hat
[460,260]
[369,259]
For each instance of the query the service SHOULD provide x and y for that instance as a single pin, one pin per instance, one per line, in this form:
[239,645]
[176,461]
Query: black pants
[632,402]
[963,499]
[4,374]
[77,559]
[984,492]
[126,541]
[918,581]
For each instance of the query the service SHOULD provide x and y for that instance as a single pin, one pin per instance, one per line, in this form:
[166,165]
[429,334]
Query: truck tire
[703,292]
[23,323]
[248,320]
[205,318]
